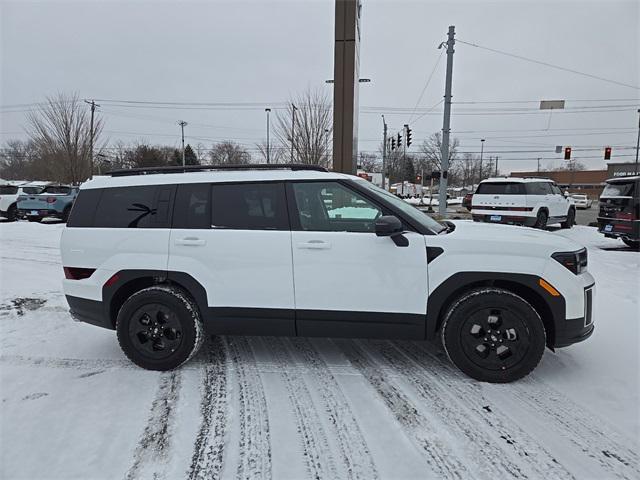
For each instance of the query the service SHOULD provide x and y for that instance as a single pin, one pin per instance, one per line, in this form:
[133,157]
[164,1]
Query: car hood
[511,239]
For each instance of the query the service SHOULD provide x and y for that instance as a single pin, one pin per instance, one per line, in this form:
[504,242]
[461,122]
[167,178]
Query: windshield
[619,189]
[409,210]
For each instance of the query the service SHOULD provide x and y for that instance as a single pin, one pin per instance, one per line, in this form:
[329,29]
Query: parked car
[53,201]
[619,214]
[466,201]
[9,193]
[582,201]
[532,202]
[167,258]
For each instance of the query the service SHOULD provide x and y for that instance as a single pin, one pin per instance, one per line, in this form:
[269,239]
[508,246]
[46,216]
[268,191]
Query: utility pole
[481,152]
[268,110]
[538,165]
[384,153]
[446,124]
[91,134]
[182,124]
[404,149]
[496,166]
[637,172]
[293,128]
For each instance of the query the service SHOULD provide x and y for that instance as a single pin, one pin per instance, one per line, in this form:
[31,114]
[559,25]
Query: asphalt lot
[585,217]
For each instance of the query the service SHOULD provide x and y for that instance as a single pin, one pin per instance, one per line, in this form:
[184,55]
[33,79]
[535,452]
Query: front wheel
[493,335]
[571,219]
[159,328]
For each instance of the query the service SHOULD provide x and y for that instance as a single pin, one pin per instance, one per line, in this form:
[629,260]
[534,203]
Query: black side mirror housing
[391,226]
[388,226]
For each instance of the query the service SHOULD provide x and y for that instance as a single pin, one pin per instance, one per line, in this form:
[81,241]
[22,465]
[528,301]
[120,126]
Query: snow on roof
[517,179]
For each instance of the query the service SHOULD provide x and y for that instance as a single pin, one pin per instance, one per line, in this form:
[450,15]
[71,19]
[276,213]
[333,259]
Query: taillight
[624,216]
[51,199]
[76,273]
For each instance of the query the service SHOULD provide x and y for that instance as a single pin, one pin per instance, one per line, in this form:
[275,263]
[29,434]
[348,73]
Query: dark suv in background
[619,215]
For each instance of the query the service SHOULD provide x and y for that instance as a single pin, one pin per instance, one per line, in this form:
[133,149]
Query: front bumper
[576,330]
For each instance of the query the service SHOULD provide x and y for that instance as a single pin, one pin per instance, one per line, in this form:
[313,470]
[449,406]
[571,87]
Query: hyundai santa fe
[168,256]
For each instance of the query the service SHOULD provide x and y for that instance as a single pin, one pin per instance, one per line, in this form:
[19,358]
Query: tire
[159,328]
[571,219]
[65,213]
[635,244]
[493,335]
[541,219]
[12,213]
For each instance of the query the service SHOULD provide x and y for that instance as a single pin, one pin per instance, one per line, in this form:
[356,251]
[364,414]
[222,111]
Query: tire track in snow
[443,394]
[207,460]
[355,454]
[153,447]
[318,457]
[578,426]
[439,456]
[255,442]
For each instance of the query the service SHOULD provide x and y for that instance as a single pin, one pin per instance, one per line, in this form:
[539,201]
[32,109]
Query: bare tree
[431,153]
[19,160]
[229,153]
[369,162]
[61,131]
[313,124]
[277,154]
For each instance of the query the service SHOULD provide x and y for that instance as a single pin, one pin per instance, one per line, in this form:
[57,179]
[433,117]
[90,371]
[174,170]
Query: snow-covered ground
[74,407]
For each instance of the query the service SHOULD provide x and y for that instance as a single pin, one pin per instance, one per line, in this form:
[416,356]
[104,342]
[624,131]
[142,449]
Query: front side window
[332,207]
[249,206]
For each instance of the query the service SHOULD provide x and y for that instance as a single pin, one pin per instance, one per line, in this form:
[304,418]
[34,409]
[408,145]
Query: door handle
[315,245]
[190,241]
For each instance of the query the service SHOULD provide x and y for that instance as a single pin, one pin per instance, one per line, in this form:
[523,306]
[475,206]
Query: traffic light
[408,135]
[567,153]
[607,153]
[399,140]
[393,144]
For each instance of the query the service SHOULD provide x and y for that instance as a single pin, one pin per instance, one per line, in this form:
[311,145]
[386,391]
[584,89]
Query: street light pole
[268,110]
[293,128]
[481,152]
[182,124]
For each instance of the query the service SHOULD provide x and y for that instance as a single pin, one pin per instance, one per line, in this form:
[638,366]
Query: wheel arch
[130,281]
[550,309]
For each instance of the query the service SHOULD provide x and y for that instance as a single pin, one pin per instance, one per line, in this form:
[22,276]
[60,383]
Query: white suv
[532,202]
[9,193]
[166,256]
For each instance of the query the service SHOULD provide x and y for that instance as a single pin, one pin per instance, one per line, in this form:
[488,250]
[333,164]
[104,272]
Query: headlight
[574,261]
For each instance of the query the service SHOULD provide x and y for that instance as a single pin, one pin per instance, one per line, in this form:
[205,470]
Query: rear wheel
[12,213]
[541,219]
[493,335]
[571,219]
[635,244]
[159,328]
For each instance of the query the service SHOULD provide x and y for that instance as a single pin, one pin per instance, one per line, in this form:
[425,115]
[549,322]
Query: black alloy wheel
[155,331]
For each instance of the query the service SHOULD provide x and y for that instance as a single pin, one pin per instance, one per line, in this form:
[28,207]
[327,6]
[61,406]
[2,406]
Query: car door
[234,240]
[348,281]
[560,201]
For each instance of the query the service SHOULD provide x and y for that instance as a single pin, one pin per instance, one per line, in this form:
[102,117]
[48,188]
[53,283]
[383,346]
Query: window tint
[8,190]
[192,206]
[249,206]
[32,190]
[332,207]
[501,188]
[59,189]
[133,207]
[538,188]
[84,208]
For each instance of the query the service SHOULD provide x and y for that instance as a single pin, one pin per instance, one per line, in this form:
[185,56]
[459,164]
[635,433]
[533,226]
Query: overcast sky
[264,52]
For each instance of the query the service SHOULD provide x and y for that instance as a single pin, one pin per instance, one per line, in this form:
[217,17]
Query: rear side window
[84,208]
[249,206]
[134,207]
[501,188]
[538,188]
[8,190]
[192,207]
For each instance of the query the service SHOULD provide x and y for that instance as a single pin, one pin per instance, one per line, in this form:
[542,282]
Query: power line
[546,64]
[435,67]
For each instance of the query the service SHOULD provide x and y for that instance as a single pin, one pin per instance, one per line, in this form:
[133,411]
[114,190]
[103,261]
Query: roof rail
[206,168]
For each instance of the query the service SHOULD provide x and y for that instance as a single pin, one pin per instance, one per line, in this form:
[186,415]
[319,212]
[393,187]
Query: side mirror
[391,226]
[388,226]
